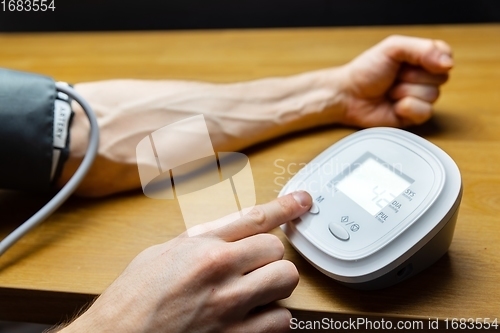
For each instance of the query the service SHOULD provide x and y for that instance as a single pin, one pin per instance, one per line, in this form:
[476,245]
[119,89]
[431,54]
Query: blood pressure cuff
[26,130]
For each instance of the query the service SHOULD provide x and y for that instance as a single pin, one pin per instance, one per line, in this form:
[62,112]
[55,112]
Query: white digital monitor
[385,203]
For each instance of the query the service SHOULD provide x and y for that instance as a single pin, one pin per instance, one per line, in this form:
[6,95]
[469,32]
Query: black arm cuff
[26,130]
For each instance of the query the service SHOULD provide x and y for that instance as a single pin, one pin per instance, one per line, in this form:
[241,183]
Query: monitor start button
[338,231]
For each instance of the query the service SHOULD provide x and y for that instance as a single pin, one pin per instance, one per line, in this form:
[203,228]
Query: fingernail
[303,198]
[445,60]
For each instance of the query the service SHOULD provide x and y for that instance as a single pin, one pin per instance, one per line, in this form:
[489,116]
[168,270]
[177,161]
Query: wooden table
[77,252]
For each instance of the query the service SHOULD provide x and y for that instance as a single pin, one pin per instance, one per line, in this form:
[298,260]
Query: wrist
[332,109]
[92,320]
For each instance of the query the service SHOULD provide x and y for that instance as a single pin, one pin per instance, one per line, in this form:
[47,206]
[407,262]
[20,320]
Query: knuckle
[290,270]
[437,93]
[274,244]
[392,39]
[258,216]
[443,78]
[433,94]
[278,245]
[216,259]
[442,45]
[283,318]
[279,322]
[287,206]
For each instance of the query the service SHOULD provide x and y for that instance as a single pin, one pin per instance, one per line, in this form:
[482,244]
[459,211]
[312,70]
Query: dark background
[88,15]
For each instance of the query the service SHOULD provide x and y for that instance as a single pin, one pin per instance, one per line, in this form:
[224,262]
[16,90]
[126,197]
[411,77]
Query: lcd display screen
[372,185]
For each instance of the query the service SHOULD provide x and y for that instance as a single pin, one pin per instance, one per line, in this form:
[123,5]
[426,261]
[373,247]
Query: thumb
[433,55]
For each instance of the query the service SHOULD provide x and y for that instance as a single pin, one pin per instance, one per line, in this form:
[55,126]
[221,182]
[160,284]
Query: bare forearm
[237,114]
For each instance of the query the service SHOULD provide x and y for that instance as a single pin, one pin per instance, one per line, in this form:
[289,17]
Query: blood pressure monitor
[385,206]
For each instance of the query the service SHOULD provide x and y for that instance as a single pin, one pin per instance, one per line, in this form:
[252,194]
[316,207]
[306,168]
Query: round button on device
[338,231]
[314,209]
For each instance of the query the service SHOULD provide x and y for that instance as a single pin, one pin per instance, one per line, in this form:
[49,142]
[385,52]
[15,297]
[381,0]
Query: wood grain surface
[78,251]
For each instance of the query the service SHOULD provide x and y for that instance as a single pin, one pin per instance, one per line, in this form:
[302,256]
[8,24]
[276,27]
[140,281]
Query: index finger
[264,218]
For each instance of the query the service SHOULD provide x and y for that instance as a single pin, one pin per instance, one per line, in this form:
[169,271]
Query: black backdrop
[85,15]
